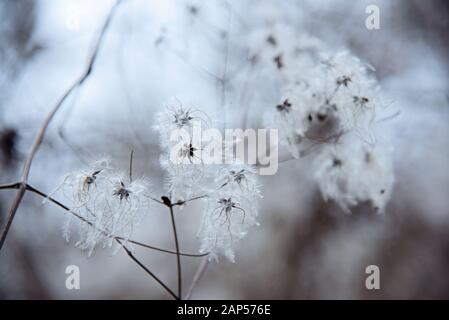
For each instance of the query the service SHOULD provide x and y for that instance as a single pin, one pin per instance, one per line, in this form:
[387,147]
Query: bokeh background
[155,50]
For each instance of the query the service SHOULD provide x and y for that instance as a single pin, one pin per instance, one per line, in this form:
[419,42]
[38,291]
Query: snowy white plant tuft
[355,174]
[231,210]
[325,97]
[107,205]
[180,156]
[329,107]
[231,191]
[324,102]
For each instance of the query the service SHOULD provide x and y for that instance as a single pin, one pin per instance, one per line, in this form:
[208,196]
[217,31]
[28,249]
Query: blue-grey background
[154,50]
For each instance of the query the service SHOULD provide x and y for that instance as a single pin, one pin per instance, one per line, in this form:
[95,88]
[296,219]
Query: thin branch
[79,153]
[10,186]
[131,255]
[179,202]
[47,197]
[131,166]
[223,79]
[40,136]
[164,250]
[118,239]
[156,200]
[198,275]
[178,256]
[182,202]
[59,204]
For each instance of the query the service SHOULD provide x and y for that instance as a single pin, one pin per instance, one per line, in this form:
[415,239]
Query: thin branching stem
[178,203]
[182,202]
[164,250]
[117,239]
[59,204]
[148,271]
[42,131]
[10,186]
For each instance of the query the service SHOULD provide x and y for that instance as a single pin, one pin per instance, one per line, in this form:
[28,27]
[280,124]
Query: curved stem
[43,129]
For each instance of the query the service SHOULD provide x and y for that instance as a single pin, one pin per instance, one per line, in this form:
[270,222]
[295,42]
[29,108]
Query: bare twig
[117,239]
[41,134]
[182,202]
[140,264]
[177,203]
[178,256]
[131,166]
[198,275]
[59,204]
[15,185]
[79,153]
[223,78]
[165,250]
[156,200]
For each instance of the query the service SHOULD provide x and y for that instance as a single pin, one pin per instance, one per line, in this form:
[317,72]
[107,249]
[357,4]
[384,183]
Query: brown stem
[41,134]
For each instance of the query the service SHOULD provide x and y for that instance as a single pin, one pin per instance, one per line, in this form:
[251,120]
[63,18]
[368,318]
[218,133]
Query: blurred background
[155,50]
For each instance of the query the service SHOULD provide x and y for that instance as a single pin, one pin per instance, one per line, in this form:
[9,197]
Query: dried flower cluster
[231,209]
[108,203]
[180,155]
[231,192]
[331,102]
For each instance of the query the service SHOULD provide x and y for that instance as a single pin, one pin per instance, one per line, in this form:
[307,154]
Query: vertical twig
[131,166]
[178,256]
[198,275]
[41,134]
[223,78]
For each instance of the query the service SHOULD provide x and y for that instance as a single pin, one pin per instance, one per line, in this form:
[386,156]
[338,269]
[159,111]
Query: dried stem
[41,134]
[140,264]
[198,275]
[59,204]
[23,186]
[182,202]
[178,256]
[131,166]
[118,239]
